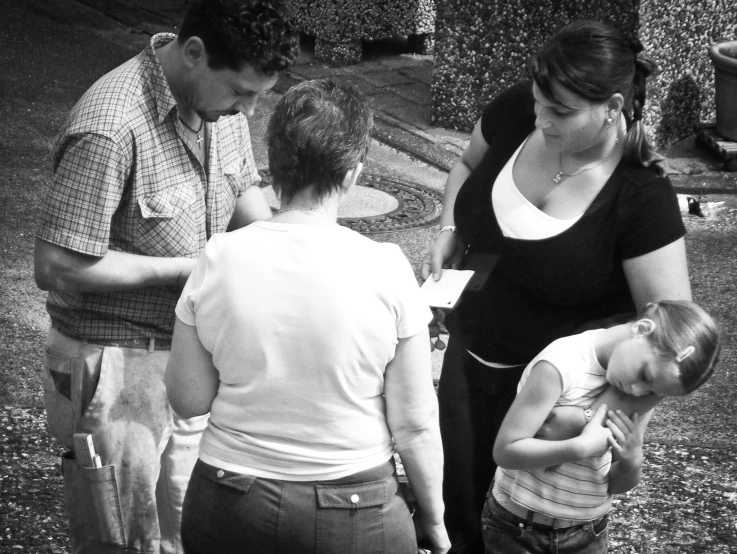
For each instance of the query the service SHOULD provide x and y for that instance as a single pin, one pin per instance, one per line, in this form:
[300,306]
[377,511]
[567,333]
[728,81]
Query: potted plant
[724,58]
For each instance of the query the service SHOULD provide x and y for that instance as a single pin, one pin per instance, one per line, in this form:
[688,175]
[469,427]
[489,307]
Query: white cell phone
[445,292]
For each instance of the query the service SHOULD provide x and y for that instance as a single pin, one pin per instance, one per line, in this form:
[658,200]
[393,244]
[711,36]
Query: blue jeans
[228,513]
[506,533]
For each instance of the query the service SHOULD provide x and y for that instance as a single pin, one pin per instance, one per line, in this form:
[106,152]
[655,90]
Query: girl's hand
[626,440]
[445,252]
[595,437]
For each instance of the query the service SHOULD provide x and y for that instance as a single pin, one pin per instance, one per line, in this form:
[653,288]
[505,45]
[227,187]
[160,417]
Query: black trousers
[473,399]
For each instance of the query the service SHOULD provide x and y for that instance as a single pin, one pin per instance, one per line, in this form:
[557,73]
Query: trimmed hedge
[676,34]
[339,26]
[483,46]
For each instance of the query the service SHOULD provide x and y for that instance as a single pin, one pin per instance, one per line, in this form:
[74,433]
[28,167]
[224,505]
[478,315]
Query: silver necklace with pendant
[559,176]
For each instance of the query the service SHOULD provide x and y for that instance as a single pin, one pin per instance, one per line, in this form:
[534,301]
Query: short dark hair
[595,61]
[243,32]
[318,132]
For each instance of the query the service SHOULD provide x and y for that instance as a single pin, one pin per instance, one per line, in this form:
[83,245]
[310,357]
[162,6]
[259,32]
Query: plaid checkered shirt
[125,179]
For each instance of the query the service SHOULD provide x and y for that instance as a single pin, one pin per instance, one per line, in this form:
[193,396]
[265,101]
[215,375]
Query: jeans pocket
[57,387]
[492,524]
[221,510]
[350,518]
[93,504]
[96,388]
[599,529]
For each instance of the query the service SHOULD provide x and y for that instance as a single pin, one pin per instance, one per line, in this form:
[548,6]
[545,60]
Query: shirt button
[355,499]
[220,473]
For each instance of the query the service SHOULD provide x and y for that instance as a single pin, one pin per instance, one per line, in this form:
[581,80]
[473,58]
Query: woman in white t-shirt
[307,344]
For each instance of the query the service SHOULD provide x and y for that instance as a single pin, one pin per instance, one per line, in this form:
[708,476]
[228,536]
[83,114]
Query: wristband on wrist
[451,228]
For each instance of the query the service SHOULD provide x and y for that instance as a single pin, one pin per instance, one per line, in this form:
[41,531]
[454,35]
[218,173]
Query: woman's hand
[626,440]
[431,537]
[595,437]
[445,252]
[412,417]
[436,327]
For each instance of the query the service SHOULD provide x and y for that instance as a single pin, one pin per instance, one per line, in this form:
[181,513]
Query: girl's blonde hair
[684,333]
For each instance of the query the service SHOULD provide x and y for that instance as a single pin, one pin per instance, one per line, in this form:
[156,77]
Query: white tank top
[518,217]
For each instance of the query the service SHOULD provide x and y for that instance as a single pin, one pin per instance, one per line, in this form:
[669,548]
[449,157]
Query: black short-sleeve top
[541,290]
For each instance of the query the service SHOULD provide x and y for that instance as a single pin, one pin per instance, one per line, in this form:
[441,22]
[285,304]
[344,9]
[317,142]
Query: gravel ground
[688,498]
[686,503]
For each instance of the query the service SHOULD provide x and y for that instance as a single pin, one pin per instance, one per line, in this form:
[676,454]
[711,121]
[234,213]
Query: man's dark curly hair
[240,32]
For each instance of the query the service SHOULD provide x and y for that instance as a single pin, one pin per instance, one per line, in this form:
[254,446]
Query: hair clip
[685,353]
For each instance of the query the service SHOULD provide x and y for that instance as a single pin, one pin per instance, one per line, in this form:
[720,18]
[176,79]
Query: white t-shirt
[301,321]
[574,490]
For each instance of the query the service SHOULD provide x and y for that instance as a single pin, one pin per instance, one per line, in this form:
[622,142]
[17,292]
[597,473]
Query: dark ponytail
[636,146]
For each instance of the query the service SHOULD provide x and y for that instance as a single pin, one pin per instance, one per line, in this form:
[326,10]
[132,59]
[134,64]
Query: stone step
[707,136]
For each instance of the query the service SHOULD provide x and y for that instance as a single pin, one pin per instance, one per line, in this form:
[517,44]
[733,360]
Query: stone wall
[482,46]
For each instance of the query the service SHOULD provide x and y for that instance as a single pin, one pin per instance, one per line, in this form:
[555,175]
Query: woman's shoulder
[636,183]
[647,211]
[511,109]
[637,175]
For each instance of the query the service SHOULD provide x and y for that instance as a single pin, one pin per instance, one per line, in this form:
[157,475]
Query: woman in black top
[561,194]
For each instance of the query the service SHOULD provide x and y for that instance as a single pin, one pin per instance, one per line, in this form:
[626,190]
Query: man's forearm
[61,269]
[250,206]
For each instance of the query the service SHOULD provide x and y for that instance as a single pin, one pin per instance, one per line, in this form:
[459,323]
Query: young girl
[555,496]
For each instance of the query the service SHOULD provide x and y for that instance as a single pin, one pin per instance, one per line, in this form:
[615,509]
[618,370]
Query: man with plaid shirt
[152,161]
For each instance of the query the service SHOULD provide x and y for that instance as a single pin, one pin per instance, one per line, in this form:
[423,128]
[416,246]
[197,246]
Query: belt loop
[530,517]
[151,344]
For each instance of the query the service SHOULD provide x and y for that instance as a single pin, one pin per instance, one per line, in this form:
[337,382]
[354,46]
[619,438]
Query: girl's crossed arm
[565,422]
[625,423]
[626,441]
[516,446]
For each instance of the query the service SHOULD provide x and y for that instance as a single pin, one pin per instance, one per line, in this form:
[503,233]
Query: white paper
[445,292]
